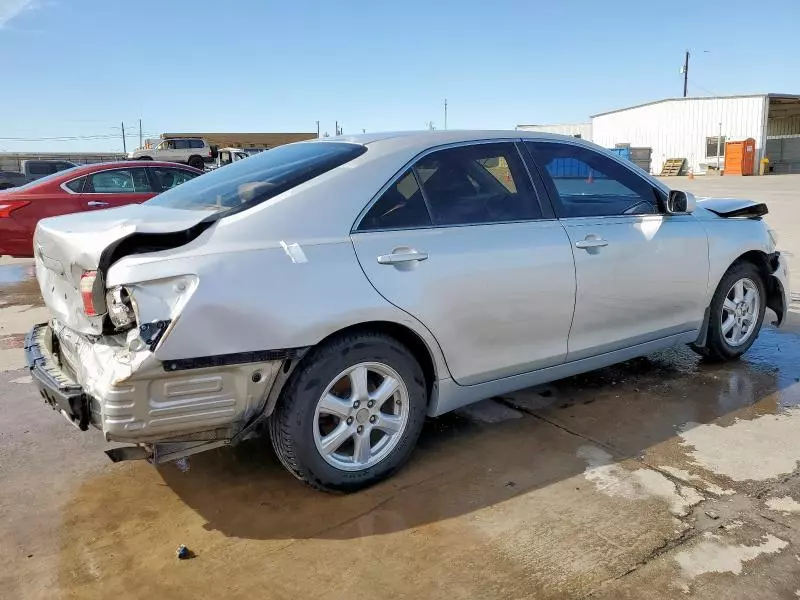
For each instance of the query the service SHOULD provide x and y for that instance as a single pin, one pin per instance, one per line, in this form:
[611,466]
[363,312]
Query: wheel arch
[405,335]
[418,346]
[766,265]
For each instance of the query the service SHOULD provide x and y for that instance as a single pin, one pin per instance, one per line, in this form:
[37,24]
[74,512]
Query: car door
[641,274]
[116,187]
[460,241]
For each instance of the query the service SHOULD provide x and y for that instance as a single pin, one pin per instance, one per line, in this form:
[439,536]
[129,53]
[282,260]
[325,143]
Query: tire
[723,345]
[301,425]
[145,158]
[196,162]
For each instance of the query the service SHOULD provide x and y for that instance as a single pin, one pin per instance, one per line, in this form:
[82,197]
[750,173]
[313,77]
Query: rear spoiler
[733,207]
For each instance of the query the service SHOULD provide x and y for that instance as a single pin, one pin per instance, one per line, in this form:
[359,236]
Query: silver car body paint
[499,307]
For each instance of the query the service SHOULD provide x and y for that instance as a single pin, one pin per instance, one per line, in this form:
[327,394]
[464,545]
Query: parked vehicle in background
[226,156]
[338,291]
[85,188]
[195,152]
[31,170]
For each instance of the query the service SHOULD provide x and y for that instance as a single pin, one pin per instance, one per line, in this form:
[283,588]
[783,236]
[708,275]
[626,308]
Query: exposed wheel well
[763,262]
[405,336]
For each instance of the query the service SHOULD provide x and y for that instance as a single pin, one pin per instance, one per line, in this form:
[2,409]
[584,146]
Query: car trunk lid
[69,246]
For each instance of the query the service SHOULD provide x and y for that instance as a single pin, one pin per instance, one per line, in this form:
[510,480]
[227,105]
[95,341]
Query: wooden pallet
[672,167]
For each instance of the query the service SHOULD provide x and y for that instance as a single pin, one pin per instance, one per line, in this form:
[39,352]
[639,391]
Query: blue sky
[79,67]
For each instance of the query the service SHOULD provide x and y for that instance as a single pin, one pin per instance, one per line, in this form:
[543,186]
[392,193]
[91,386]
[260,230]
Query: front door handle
[96,203]
[401,255]
[591,242]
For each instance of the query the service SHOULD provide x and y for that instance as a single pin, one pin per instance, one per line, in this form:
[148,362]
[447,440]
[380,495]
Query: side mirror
[680,203]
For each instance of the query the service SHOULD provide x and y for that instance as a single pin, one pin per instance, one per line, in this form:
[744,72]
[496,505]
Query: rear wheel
[736,313]
[145,158]
[351,413]
[196,162]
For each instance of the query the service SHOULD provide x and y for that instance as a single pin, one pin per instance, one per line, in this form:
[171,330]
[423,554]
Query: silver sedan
[339,291]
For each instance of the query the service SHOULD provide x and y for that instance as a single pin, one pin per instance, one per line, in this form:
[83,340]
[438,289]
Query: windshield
[249,182]
[41,180]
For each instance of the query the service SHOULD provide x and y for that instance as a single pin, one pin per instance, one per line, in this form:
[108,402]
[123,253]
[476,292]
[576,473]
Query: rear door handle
[96,203]
[401,257]
[591,243]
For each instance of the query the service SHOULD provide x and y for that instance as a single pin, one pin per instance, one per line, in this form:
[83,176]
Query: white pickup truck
[195,152]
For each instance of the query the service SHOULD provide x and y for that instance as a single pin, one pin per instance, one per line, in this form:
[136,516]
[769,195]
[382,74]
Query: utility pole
[317,129]
[140,134]
[719,144]
[445,113]
[124,147]
[686,74]
[336,128]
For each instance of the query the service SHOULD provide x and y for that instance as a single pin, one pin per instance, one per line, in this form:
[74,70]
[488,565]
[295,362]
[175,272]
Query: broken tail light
[9,206]
[120,308]
[87,292]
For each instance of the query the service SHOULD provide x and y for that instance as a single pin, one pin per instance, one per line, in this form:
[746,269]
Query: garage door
[784,154]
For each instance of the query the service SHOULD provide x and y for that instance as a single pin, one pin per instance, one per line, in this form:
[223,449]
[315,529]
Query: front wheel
[736,313]
[351,413]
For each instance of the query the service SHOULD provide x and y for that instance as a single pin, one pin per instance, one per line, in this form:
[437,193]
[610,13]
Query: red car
[89,187]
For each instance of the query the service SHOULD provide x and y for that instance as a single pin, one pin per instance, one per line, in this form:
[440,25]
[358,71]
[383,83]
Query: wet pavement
[662,477]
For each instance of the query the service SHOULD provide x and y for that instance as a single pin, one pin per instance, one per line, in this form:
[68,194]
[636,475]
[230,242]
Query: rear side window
[249,182]
[400,207]
[119,181]
[196,144]
[481,183]
[76,185]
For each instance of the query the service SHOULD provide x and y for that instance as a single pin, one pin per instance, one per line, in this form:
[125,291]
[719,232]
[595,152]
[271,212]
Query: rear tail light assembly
[87,292]
[9,206]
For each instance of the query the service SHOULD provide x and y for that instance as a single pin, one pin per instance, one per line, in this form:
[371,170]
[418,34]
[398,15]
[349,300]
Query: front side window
[400,207]
[167,178]
[481,183]
[586,183]
[246,183]
[118,181]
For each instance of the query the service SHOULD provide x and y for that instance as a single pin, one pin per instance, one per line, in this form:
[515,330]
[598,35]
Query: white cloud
[12,8]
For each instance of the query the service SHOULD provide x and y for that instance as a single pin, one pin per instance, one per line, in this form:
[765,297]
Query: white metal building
[581,130]
[689,127]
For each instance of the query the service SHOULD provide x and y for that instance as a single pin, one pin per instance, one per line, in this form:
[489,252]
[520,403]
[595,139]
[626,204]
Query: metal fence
[12,161]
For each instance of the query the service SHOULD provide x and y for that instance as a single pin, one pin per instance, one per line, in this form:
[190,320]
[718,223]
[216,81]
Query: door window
[167,178]
[182,144]
[400,207]
[119,181]
[76,185]
[196,144]
[585,183]
[481,183]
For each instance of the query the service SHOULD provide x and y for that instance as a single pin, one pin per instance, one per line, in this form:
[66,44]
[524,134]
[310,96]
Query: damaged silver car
[336,292]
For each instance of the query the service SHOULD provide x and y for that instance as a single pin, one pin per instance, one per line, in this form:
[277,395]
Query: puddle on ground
[18,286]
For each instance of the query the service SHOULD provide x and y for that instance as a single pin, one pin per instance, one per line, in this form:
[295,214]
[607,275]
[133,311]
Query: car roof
[407,144]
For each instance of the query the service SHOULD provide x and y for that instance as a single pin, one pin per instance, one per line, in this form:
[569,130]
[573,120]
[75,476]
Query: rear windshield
[44,180]
[248,182]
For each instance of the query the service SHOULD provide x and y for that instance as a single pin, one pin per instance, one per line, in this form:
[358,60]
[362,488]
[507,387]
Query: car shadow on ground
[462,465]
